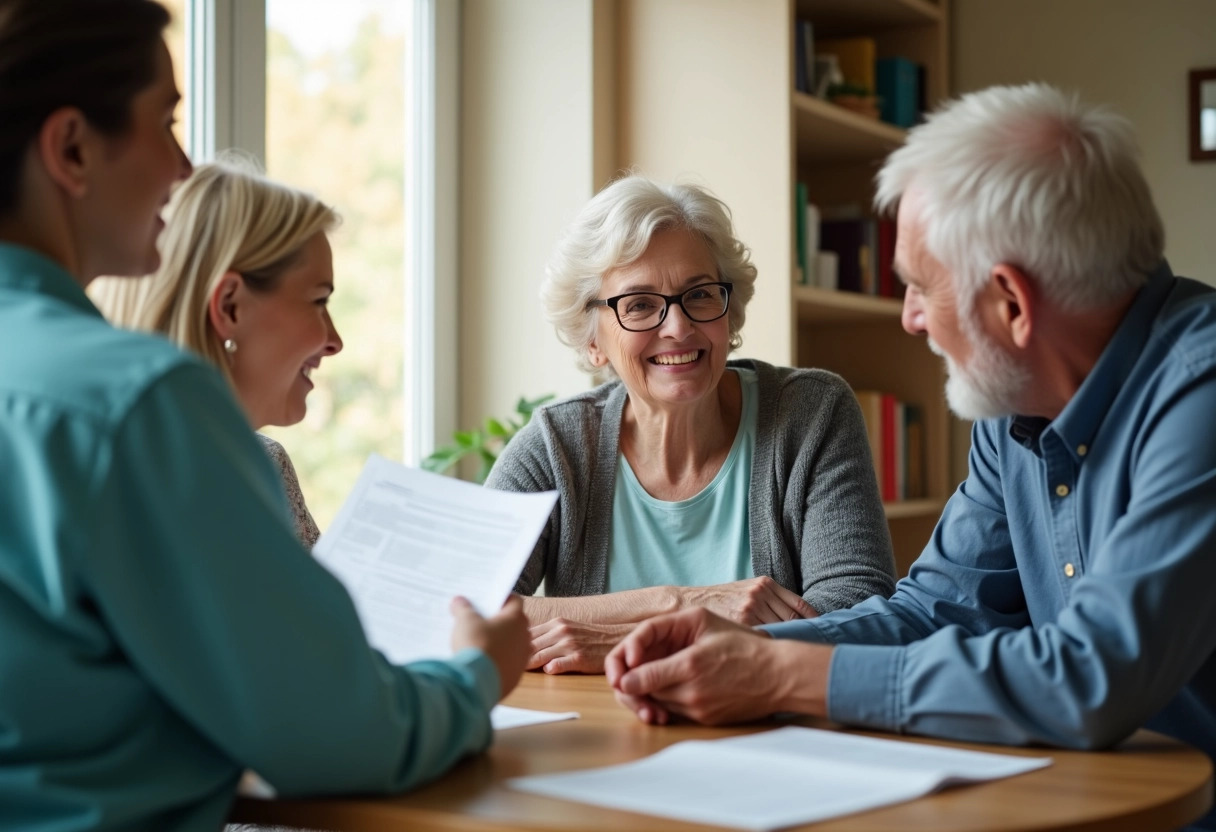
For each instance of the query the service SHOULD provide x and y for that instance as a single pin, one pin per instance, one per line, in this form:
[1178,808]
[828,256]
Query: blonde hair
[226,217]
[614,229]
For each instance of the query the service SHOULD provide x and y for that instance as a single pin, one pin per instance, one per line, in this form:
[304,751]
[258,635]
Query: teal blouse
[701,541]
[162,629]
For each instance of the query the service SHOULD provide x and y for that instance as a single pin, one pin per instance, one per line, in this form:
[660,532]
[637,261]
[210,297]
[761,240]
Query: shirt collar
[26,270]
[1082,416]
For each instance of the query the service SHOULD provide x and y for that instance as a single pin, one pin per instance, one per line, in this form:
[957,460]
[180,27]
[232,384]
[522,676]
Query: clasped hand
[562,645]
[696,665]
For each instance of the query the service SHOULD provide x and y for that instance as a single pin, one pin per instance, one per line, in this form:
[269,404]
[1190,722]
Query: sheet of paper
[406,541]
[780,778]
[503,717]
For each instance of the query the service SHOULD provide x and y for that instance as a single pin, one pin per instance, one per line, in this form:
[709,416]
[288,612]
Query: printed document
[786,777]
[406,541]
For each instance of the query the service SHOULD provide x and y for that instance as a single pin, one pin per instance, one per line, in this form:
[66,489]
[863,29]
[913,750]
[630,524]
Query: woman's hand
[502,637]
[752,601]
[563,646]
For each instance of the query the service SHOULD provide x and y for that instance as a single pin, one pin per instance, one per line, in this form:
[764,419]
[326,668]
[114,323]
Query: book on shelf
[898,81]
[856,57]
[870,402]
[804,57]
[914,451]
[892,448]
[846,238]
[806,236]
[802,247]
[889,286]
[895,432]
[865,251]
[810,232]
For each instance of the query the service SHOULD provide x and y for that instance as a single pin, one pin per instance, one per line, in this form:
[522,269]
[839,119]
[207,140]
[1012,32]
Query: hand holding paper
[503,637]
[406,542]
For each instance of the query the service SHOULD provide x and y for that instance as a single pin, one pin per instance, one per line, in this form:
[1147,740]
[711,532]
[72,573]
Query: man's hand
[502,637]
[696,665]
[563,646]
[752,601]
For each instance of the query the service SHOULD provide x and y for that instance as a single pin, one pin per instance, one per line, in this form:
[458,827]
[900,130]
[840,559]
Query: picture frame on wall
[1202,127]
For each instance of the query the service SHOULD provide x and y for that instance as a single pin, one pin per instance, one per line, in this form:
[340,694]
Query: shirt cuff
[814,630]
[476,666]
[864,686]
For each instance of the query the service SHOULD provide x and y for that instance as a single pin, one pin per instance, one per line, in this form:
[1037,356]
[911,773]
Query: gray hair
[614,229]
[1031,177]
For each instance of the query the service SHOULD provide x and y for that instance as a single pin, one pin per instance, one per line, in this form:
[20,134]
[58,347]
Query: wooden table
[1148,783]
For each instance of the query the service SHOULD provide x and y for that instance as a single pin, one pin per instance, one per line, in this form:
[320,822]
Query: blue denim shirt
[161,628]
[1066,594]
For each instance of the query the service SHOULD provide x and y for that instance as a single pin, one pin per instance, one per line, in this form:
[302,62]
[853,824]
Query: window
[354,101]
[336,126]
[175,39]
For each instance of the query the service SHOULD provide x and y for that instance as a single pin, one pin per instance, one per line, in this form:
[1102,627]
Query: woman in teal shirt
[163,629]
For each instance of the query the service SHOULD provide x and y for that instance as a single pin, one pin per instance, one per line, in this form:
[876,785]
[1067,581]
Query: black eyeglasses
[640,311]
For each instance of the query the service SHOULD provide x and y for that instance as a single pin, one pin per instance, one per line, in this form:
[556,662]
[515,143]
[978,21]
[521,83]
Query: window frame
[226,96]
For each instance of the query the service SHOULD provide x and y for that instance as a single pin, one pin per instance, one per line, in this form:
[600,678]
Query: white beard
[991,385]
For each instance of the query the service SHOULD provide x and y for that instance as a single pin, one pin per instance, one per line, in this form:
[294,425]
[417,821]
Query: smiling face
[680,361]
[130,186]
[281,337]
[984,382]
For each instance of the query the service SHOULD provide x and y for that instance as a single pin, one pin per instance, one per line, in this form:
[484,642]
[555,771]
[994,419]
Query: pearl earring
[229,346]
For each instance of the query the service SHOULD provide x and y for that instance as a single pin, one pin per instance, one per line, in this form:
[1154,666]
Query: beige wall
[549,112]
[1130,54]
[528,159]
[704,92]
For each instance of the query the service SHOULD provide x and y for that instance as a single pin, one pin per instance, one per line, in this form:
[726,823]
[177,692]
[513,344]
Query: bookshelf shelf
[827,132]
[905,509]
[836,155]
[834,17]
[825,306]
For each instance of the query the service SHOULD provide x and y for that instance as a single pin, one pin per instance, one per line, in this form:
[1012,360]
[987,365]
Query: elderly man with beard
[1065,597]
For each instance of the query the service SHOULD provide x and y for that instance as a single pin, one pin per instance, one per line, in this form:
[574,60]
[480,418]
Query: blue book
[898,82]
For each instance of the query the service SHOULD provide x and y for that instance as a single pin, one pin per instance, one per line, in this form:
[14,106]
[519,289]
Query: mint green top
[162,628]
[701,541]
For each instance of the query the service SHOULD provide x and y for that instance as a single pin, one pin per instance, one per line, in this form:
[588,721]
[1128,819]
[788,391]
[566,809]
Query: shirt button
[1069,570]
[1061,490]
[1082,450]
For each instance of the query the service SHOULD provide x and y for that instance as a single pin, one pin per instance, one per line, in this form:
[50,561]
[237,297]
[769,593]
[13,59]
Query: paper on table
[504,717]
[406,541]
[780,778]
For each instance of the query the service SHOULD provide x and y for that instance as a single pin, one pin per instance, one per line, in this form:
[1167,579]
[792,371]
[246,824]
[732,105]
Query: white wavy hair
[614,229]
[1030,176]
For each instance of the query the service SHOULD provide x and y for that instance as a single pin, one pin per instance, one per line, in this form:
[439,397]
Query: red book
[890,445]
[889,285]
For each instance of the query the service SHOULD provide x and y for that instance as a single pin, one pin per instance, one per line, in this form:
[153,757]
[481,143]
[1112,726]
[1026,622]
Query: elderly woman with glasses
[688,479]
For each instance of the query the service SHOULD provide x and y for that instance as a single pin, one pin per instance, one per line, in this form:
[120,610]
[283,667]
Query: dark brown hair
[95,55]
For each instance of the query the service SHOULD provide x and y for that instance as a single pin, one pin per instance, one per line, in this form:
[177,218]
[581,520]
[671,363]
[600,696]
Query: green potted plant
[485,443]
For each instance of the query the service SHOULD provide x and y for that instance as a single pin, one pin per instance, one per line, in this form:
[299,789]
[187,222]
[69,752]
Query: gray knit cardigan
[816,521]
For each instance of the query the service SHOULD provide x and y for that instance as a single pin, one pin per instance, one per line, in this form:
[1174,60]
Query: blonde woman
[246,272]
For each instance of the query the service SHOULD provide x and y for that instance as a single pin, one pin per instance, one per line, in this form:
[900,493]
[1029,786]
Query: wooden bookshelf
[839,134]
[869,15]
[815,305]
[836,154]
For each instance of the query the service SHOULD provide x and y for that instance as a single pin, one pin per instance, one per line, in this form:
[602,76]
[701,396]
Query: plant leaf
[487,462]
